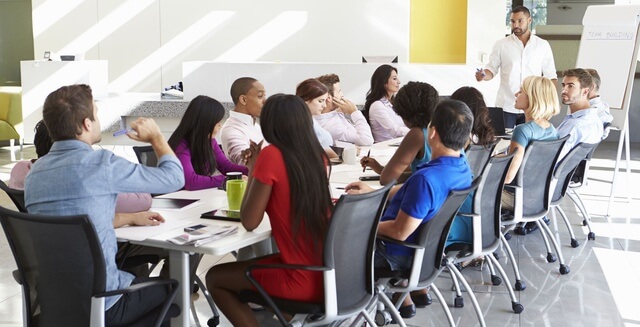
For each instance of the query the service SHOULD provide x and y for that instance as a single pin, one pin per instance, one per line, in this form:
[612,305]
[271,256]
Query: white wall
[146,41]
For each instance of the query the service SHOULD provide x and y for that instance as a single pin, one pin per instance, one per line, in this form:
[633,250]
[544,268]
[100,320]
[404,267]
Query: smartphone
[370,178]
[222,215]
[194,228]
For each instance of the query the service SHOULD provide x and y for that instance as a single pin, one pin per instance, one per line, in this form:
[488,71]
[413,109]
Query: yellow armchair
[11,114]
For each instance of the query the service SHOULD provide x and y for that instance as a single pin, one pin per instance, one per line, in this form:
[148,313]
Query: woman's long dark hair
[286,123]
[481,126]
[379,78]
[195,128]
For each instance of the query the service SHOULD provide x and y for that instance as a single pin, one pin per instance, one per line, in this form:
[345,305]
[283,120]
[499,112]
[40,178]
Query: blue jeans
[382,259]
[511,120]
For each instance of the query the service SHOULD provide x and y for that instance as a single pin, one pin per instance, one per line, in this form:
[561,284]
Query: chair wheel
[574,243]
[564,270]
[591,236]
[383,318]
[213,322]
[507,236]
[520,285]
[496,255]
[584,222]
[551,257]
[517,307]
[495,280]
[520,230]
[458,302]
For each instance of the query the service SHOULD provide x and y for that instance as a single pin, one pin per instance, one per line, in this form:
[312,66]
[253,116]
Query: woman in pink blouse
[193,141]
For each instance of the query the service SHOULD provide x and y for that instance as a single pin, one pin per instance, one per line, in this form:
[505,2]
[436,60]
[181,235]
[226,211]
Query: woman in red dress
[288,180]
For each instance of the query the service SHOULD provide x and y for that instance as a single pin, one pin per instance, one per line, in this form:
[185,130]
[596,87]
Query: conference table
[215,199]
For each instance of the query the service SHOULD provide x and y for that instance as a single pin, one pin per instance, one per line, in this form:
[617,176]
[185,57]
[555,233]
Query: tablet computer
[220,214]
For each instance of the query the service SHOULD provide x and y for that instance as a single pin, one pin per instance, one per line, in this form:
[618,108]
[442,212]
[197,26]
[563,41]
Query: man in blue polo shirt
[422,195]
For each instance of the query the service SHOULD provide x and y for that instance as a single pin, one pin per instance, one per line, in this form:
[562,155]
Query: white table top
[176,220]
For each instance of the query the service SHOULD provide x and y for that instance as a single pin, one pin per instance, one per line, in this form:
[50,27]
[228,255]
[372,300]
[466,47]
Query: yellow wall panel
[438,31]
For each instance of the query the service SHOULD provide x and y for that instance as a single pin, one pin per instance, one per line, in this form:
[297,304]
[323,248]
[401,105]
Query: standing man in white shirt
[334,116]
[516,57]
[248,96]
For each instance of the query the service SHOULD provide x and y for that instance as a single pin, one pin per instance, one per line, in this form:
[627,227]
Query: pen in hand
[122,132]
[365,167]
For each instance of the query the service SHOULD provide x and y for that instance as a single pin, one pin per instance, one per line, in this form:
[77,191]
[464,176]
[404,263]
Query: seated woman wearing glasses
[287,180]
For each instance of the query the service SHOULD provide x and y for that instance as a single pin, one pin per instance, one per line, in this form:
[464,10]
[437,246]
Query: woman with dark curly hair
[414,103]
[482,132]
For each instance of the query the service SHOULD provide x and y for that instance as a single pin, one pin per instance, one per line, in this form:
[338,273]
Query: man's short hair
[521,9]
[240,87]
[453,120]
[65,110]
[329,80]
[596,78]
[583,76]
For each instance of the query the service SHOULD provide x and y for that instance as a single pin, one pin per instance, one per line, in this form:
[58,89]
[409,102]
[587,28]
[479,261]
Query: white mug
[349,155]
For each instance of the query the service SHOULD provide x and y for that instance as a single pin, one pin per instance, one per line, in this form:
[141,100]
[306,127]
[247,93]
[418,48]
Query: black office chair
[16,196]
[478,156]
[428,260]
[563,174]
[347,270]
[486,224]
[146,155]
[62,271]
[578,180]
[535,179]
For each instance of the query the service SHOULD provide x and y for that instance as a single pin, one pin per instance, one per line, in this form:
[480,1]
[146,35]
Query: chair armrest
[266,295]
[137,287]
[286,266]
[403,243]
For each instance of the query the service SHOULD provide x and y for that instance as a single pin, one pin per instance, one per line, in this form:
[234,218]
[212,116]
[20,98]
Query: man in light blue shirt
[596,101]
[74,179]
[582,123]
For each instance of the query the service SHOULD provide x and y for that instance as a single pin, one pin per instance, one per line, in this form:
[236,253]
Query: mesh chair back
[351,234]
[437,228]
[535,176]
[146,155]
[60,264]
[478,156]
[567,167]
[16,196]
[487,199]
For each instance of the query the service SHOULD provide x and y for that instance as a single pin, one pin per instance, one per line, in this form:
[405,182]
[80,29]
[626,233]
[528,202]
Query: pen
[122,132]
[365,167]
[481,71]
[339,187]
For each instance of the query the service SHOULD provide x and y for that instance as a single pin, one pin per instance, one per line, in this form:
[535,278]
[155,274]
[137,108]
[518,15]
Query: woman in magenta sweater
[193,141]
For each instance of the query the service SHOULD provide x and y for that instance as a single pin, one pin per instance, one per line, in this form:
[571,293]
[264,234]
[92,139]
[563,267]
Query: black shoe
[422,300]
[408,311]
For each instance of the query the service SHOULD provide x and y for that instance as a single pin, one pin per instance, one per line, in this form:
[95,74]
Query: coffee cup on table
[231,176]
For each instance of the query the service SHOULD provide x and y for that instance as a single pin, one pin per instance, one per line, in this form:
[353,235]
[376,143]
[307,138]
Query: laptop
[497,122]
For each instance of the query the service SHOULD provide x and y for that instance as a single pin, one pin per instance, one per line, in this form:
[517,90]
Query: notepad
[204,235]
[173,204]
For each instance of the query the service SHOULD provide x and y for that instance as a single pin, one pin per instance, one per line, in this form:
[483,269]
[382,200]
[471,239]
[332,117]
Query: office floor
[600,290]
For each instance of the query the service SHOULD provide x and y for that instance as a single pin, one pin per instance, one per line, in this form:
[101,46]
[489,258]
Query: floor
[599,291]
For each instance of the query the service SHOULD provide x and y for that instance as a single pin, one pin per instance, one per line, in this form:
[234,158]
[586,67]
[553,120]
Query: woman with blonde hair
[538,98]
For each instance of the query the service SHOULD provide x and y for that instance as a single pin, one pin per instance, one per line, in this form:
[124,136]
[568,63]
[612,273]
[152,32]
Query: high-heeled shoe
[422,300]
[407,311]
